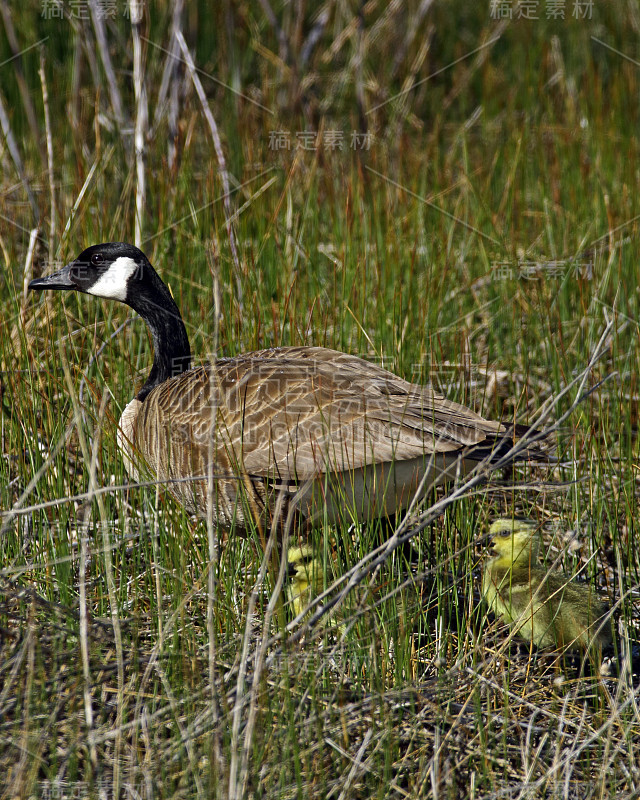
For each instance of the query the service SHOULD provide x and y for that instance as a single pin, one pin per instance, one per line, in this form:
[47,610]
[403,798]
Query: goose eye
[97,259]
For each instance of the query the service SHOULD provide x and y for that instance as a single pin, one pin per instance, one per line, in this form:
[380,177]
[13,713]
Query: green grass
[521,157]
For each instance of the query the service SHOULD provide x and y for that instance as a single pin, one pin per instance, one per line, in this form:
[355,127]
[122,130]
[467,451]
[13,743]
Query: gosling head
[514,540]
[300,558]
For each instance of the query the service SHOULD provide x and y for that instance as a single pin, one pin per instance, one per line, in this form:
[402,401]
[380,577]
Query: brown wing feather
[295,413]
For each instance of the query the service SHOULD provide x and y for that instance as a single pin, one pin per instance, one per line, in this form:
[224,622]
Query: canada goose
[335,429]
[548,608]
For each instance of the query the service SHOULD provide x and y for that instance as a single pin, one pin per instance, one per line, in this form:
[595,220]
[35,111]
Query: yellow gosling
[306,577]
[545,607]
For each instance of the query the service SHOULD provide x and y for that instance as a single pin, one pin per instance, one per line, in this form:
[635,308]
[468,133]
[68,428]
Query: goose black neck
[172,354]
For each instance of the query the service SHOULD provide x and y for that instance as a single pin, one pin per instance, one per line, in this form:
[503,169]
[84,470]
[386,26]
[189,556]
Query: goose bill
[59,280]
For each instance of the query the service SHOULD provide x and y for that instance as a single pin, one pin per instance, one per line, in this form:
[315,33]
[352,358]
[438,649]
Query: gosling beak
[482,544]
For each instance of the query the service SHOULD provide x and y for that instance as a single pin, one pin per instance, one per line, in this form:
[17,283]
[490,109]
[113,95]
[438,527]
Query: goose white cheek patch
[112,284]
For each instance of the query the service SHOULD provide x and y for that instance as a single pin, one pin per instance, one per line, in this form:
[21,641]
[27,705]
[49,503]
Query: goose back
[288,419]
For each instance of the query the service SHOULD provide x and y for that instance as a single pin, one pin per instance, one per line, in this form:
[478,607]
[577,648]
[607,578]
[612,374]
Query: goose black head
[114,270]
[119,271]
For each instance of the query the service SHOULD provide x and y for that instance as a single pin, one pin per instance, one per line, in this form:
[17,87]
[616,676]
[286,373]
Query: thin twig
[18,71]
[224,175]
[171,63]
[102,161]
[139,139]
[84,558]
[90,455]
[235,764]
[49,139]
[28,264]
[17,159]
[261,650]
[97,18]
[212,530]
[280,34]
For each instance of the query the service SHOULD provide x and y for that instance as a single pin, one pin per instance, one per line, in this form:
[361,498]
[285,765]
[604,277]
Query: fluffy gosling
[306,577]
[547,608]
